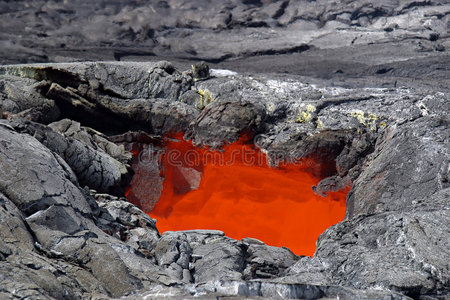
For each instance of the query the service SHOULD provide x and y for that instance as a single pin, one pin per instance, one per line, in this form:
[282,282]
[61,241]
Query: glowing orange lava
[237,192]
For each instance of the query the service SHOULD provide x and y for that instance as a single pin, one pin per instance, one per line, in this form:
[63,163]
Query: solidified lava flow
[237,192]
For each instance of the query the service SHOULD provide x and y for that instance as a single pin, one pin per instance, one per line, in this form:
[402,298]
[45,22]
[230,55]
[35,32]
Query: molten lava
[235,191]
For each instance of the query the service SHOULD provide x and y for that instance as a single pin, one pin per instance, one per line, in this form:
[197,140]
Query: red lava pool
[234,190]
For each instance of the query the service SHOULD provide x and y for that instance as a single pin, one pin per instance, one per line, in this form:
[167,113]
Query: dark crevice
[257,3]
[96,116]
[384,70]
[281,10]
[100,119]
[417,4]
[61,77]
[340,100]
[372,13]
[296,49]
[223,58]
[206,59]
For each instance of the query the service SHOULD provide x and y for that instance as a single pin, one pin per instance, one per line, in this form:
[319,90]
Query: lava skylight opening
[236,191]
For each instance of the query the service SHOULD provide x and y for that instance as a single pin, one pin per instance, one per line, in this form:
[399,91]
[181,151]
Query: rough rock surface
[93,159]
[392,144]
[361,86]
[365,42]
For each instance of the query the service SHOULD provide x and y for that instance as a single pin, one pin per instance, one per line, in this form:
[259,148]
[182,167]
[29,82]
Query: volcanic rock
[57,220]
[388,223]
[227,121]
[361,87]
[91,157]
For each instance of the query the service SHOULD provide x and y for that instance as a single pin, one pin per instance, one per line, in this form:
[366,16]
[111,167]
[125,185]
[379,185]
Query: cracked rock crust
[64,221]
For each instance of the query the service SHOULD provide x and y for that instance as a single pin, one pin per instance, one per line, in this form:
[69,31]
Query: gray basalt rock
[97,95]
[123,220]
[87,158]
[33,178]
[395,209]
[403,237]
[390,144]
[354,42]
[15,235]
[56,226]
[92,138]
[266,290]
[226,122]
[417,154]
[206,255]
[359,86]
[29,274]
[266,261]
[120,31]
[22,96]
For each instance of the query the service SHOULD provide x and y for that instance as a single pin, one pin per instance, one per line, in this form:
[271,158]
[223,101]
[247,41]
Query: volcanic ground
[225,149]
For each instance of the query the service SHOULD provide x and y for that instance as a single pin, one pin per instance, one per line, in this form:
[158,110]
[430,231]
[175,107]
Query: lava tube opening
[236,191]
